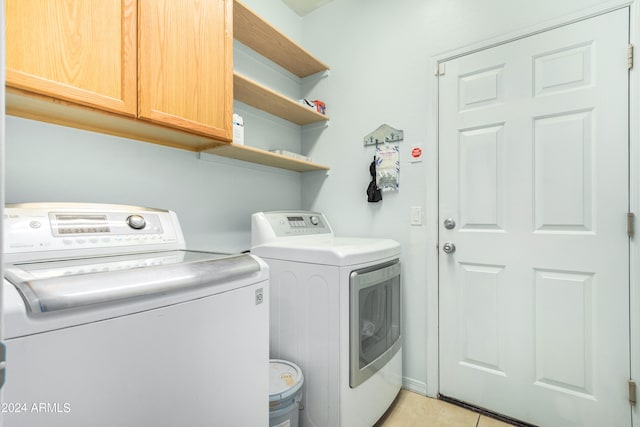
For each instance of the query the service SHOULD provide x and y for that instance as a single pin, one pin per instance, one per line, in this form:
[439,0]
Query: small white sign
[415,155]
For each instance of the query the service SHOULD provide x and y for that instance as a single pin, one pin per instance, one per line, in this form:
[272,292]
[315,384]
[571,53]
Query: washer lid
[57,285]
[336,251]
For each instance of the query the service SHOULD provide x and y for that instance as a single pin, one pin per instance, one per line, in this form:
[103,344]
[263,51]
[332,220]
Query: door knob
[449,248]
[449,224]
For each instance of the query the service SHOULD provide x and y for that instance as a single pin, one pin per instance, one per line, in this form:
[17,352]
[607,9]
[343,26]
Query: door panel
[564,325]
[562,157]
[533,152]
[481,191]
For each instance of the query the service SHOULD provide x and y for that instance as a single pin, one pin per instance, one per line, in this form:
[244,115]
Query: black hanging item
[374,194]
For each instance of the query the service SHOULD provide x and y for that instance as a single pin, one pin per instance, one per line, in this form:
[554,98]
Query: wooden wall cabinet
[82,51]
[169,62]
[186,65]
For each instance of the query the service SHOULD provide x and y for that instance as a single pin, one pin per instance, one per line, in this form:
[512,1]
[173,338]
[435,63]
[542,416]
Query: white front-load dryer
[335,311]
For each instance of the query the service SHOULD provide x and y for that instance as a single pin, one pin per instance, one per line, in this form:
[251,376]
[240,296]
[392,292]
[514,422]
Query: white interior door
[533,152]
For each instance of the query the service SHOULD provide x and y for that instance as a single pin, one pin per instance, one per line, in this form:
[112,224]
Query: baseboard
[414,386]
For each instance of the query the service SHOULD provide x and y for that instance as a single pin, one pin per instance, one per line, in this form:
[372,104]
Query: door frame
[432,200]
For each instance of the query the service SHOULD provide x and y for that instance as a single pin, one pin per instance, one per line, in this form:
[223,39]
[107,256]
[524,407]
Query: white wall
[279,15]
[213,197]
[381,54]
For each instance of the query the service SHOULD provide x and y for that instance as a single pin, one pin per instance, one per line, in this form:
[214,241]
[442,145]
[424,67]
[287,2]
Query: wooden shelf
[251,30]
[257,34]
[256,155]
[261,97]
[38,107]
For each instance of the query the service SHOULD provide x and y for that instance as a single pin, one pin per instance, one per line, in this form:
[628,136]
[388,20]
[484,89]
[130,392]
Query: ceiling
[302,7]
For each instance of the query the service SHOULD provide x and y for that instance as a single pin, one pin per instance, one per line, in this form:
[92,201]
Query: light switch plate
[416,215]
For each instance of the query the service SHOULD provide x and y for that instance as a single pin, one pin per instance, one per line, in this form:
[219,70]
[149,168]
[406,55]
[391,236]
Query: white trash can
[285,393]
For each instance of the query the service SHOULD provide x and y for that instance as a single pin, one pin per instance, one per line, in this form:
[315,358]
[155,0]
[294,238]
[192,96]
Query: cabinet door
[185,65]
[79,51]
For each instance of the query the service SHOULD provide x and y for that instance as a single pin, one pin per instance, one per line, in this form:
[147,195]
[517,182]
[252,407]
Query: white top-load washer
[109,321]
[335,312]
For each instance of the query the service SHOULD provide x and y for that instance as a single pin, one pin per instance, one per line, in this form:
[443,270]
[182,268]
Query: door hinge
[440,69]
[630,57]
[632,392]
[631,224]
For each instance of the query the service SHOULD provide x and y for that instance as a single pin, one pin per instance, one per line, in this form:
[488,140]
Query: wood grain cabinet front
[185,65]
[168,62]
[78,51]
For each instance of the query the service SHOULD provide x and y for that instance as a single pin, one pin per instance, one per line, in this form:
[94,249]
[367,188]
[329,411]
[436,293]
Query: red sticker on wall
[416,152]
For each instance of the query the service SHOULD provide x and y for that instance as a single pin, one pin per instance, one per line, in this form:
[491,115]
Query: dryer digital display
[296,221]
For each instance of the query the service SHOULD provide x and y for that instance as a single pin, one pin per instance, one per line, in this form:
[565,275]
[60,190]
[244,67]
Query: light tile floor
[413,410]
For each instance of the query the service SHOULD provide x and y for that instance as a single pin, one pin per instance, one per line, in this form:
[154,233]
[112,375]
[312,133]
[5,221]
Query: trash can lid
[285,379]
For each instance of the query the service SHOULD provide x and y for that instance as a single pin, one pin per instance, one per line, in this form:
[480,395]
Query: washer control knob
[314,220]
[136,222]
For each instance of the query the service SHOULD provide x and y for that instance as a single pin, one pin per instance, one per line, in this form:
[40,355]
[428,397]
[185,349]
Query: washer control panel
[70,224]
[42,229]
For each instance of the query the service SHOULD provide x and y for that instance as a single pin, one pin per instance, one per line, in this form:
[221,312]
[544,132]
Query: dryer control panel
[268,226]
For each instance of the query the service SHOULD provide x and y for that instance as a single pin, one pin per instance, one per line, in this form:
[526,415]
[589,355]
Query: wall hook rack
[384,133]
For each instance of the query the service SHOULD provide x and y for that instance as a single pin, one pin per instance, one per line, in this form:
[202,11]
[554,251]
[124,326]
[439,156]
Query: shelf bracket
[315,77]
[316,125]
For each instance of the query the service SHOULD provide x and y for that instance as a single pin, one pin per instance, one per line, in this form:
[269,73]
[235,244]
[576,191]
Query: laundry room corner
[385,73]
[483,251]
